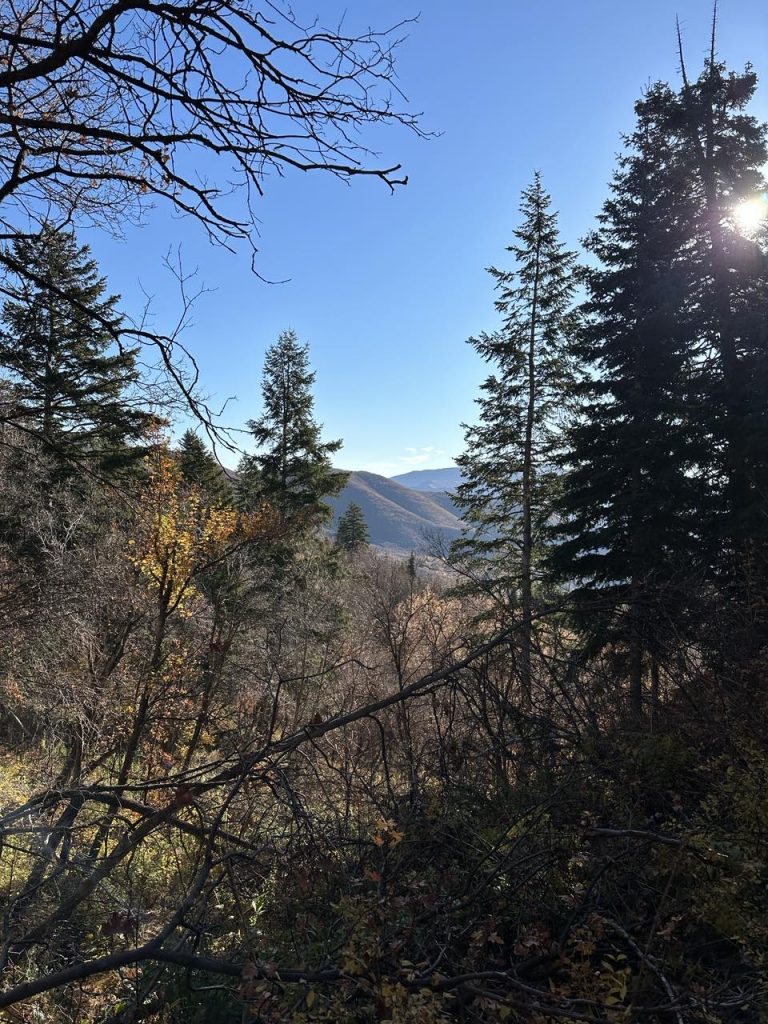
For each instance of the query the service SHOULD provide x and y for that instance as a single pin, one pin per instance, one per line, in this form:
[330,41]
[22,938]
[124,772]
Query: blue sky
[387,288]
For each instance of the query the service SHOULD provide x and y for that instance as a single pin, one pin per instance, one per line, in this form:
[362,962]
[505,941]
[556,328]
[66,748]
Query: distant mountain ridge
[445,480]
[399,518]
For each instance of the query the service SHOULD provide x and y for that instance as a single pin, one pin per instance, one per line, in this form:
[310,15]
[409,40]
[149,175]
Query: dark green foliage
[247,483]
[412,569]
[509,479]
[722,152]
[291,469]
[199,467]
[352,531]
[71,385]
[668,472]
[628,516]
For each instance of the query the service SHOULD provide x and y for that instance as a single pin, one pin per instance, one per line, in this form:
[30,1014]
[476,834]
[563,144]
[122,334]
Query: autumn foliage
[179,535]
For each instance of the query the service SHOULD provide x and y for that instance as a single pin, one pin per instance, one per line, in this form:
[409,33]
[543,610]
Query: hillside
[445,500]
[447,479]
[398,517]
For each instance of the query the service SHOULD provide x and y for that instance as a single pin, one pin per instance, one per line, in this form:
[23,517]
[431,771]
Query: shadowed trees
[73,388]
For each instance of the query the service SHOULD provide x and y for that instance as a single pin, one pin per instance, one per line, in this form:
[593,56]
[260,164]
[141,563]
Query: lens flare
[751,215]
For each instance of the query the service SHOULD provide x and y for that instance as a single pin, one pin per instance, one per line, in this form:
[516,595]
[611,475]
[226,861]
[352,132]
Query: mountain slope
[447,479]
[446,501]
[398,517]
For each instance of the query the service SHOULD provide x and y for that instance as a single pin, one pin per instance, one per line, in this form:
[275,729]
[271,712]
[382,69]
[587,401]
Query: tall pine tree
[506,498]
[723,152]
[628,515]
[72,387]
[291,469]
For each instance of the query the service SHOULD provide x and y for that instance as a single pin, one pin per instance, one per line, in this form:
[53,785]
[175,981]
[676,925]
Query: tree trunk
[526,584]
[636,588]
[48,385]
[654,689]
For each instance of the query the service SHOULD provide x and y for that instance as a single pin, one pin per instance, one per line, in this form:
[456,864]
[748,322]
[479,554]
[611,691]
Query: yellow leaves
[351,965]
[398,1004]
[582,975]
[180,534]
[387,834]
[584,947]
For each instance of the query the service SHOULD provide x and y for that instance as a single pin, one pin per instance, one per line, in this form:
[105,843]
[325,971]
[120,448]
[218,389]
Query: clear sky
[387,288]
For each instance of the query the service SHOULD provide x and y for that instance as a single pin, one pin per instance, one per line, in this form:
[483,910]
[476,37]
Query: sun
[751,215]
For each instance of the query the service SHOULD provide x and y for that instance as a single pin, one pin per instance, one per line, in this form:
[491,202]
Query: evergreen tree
[247,483]
[723,151]
[506,497]
[628,512]
[352,530]
[72,389]
[412,568]
[291,469]
[199,467]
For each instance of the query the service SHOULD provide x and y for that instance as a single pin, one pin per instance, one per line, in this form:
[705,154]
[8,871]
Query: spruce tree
[628,515]
[199,467]
[506,497]
[723,151]
[247,484]
[352,530]
[72,386]
[291,469]
[412,568]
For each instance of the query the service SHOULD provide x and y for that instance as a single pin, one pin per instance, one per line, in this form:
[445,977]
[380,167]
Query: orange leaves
[386,834]
[180,534]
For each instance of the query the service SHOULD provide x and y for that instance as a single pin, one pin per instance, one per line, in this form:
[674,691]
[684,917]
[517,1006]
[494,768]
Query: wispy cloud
[382,468]
[425,457]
